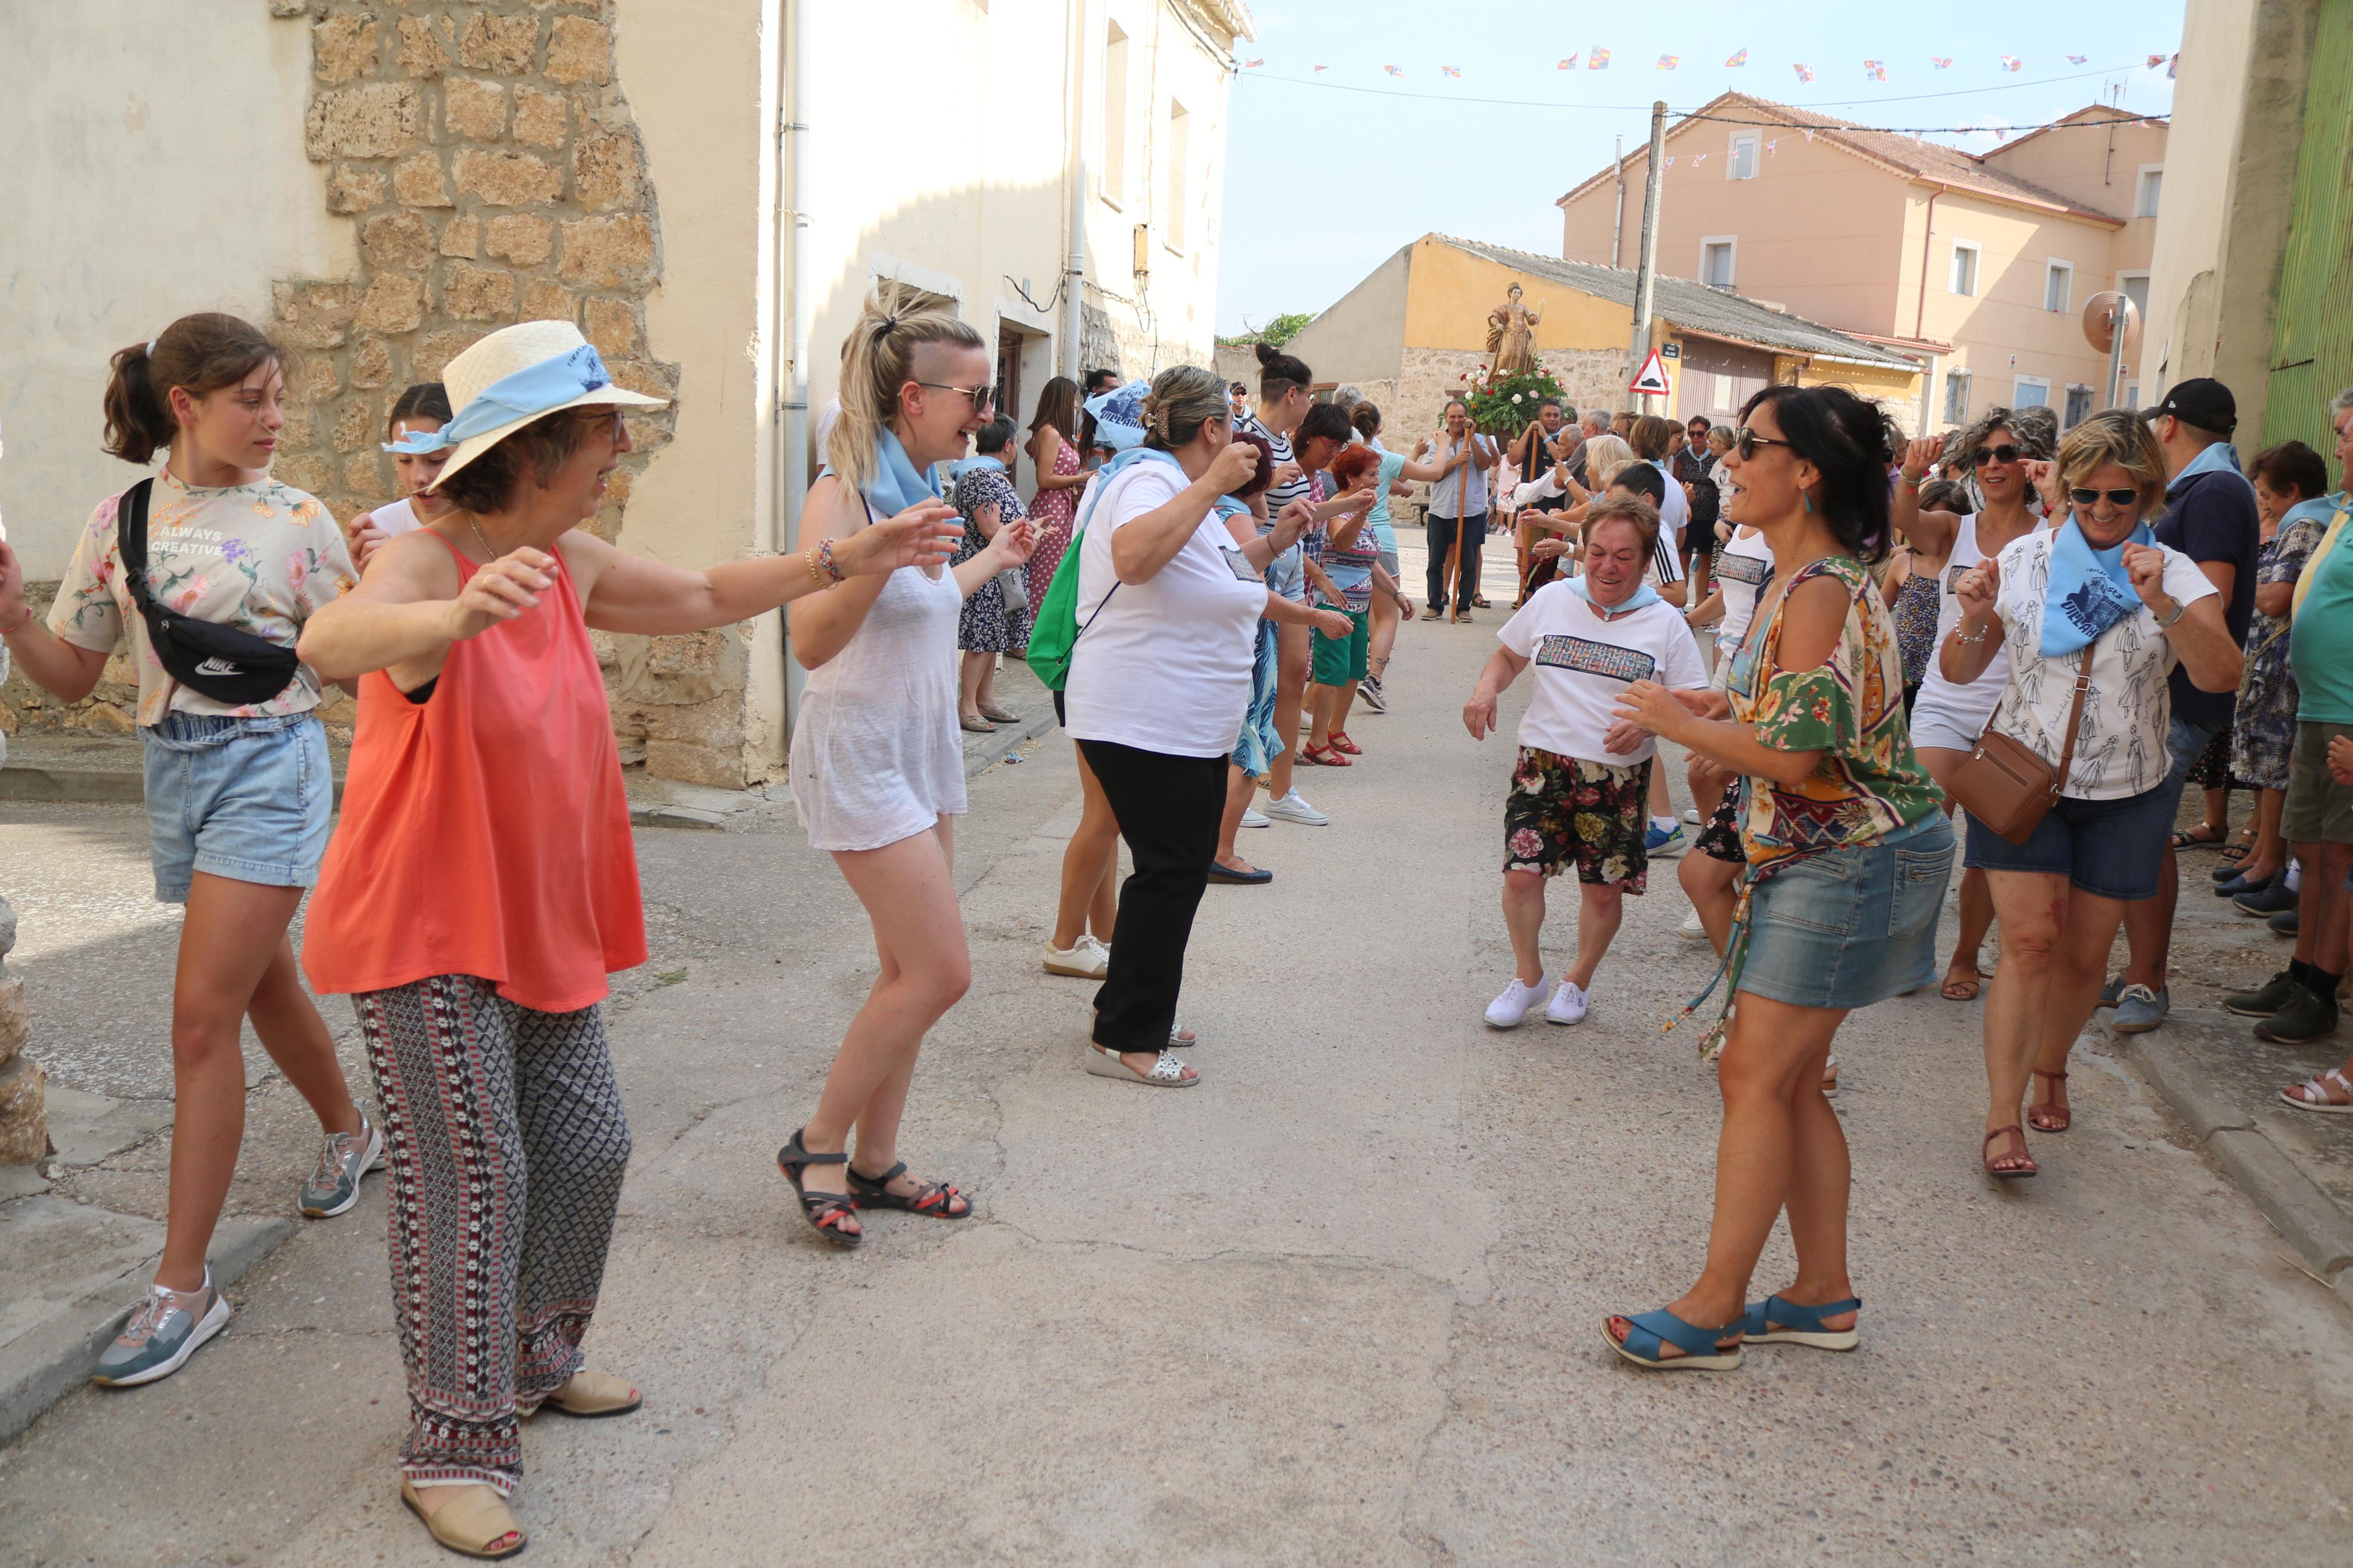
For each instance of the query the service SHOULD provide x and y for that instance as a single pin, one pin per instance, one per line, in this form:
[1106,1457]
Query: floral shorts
[1720,839]
[1565,810]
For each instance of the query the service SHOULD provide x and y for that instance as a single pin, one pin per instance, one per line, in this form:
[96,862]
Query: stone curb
[2311,1221]
[21,782]
[54,1359]
[1007,740]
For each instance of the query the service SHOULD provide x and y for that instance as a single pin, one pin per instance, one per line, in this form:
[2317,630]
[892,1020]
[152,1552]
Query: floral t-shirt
[1869,784]
[262,558]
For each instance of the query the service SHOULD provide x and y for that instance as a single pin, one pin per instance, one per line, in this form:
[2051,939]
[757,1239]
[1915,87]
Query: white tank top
[1964,708]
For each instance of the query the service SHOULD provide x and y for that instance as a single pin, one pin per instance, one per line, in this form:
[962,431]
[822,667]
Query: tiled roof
[1915,160]
[1694,307]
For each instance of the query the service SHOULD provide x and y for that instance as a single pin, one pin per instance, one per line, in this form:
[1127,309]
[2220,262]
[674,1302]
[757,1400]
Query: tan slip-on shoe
[475,1523]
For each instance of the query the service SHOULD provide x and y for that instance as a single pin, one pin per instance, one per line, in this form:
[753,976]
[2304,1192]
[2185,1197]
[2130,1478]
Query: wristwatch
[2180,610]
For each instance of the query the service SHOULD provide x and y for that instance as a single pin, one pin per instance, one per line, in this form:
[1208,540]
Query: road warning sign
[1652,381]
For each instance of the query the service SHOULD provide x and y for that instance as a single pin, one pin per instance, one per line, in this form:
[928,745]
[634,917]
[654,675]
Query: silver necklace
[489,555]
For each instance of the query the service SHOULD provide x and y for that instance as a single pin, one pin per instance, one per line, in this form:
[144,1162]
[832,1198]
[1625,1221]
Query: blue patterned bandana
[529,392]
[2090,589]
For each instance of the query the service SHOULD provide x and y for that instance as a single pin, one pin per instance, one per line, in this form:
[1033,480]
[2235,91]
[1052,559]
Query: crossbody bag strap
[131,542]
[2074,722]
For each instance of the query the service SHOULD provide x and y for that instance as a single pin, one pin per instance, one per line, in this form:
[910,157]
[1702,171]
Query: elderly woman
[1848,858]
[482,886]
[1167,607]
[2092,619]
[1576,799]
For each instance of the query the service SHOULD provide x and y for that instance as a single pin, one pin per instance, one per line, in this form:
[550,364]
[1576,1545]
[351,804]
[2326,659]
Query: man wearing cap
[2209,517]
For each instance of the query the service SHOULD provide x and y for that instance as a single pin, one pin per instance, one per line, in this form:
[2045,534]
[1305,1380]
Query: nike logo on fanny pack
[218,666]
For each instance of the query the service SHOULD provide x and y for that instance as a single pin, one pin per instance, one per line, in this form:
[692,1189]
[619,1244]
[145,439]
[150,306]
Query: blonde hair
[877,360]
[1183,398]
[1652,435]
[2120,437]
[1604,454]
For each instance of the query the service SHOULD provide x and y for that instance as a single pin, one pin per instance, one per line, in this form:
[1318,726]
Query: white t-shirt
[1964,709]
[396,518]
[1740,577]
[2120,750]
[1582,663]
[1162,665]
[1674,513]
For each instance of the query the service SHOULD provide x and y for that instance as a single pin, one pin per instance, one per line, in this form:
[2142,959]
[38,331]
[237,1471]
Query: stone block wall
[1413,402]
[24,1125]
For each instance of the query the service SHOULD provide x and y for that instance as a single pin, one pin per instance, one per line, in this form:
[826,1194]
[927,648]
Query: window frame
[2053,265]
[1177,189]
[2075,389]
[1731,243]
[2142,205]
[1732,155]
[2018,386]
[1966,381]
[1111,162]
[1977,268]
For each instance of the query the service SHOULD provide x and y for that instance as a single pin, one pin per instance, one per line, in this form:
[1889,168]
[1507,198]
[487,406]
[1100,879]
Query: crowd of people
[2037,638]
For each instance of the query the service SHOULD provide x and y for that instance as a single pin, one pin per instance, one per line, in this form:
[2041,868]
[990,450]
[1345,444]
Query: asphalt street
[1339,1305]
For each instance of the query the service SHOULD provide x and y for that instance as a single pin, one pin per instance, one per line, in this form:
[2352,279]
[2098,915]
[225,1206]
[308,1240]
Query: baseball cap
[2201,401]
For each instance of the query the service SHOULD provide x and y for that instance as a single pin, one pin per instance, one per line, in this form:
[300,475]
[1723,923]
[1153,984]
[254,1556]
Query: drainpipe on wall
[1920,316]
[1617,222]
[1074,266]
[791,342]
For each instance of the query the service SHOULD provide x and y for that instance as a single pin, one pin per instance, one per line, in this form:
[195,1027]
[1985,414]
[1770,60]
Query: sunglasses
[1746,442]
[983,397]
[2005,453]
[2116,497]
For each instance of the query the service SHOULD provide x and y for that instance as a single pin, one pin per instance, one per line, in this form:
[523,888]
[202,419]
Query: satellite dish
[2100,313]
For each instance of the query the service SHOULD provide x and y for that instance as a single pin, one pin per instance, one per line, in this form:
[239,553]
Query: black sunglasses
[2005,453]
[1746,442]
[983,397]
[2116,497]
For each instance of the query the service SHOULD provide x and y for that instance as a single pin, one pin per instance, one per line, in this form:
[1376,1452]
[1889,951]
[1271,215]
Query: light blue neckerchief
[529,392]
[2090,590]
[971,464]
[1126,460]
[1643,597]
[895,485]
[2220,458]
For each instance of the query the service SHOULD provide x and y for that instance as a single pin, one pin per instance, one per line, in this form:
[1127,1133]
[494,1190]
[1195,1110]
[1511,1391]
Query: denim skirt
[1849,927]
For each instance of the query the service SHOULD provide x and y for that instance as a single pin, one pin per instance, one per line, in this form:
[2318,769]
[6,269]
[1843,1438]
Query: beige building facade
[1978,267]
[708,190]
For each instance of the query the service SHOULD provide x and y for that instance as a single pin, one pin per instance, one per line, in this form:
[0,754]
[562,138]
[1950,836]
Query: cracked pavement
[1339,1305]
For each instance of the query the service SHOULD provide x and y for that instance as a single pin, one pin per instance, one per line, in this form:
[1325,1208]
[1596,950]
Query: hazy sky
[1324,184]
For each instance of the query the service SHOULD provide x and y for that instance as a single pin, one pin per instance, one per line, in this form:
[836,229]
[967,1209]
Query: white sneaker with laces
[1293,807]
[1085,959]
[1567,1005]
[1509,1010]
[1253,818]
[1691,927]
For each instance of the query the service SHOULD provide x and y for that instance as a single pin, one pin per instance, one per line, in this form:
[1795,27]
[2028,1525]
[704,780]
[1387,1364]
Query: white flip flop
[1166,1072]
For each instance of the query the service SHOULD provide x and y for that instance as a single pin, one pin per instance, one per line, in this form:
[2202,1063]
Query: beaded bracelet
[819,559]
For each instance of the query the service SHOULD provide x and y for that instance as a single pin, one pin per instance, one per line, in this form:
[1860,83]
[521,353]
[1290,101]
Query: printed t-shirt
[1741,576]
[2120,749]
[1351,570]
[1582,663]
[261,558]
[1163,664]
[2320,639]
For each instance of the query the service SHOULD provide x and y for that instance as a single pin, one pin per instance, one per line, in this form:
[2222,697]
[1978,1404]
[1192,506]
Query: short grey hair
[1348,396]
[1596,420]
[2340,404]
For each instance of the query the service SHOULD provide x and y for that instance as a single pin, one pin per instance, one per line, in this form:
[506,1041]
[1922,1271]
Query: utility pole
[1644,280]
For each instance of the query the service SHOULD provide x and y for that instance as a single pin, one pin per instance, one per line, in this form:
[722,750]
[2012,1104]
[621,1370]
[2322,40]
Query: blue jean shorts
[1846,928]
[248,799]
[2110,848]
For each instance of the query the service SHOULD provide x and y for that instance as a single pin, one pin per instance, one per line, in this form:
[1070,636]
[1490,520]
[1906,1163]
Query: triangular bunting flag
[1739,59]
[2011,63]
[1254,64]
[1669,62]
[1450,70]
[2155,61]
[1597,59]
[1323,68]
[1393,70]
[1875,69]
[1941,62]
[1567,65]
[1805,73]
[2077,59]
[1770,145]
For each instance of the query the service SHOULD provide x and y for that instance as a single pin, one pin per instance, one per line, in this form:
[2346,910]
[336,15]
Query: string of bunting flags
[1597,59]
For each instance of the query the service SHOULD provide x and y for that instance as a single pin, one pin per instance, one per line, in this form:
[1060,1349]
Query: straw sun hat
[532,369]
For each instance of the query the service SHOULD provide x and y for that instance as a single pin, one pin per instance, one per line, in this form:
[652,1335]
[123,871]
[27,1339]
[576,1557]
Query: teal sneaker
[335,1186]
[161,1335]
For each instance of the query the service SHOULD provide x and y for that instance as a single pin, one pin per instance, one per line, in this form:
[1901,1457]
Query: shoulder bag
[2006,784]
[213,660]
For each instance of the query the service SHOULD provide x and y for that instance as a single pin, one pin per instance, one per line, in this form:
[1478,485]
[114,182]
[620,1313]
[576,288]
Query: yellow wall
[1451,291]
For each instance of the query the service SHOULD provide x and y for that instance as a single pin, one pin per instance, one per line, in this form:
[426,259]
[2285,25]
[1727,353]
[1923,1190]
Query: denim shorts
[248,799]
[1389,566]
[1846,928]
[2111,848]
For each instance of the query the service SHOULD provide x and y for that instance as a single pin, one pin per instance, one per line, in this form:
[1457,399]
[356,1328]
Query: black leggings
[1168,809]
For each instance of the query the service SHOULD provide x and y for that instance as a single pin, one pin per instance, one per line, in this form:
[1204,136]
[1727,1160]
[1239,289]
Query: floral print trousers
[506,1142]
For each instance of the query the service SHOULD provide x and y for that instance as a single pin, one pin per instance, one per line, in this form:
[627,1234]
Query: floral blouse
[1869,784]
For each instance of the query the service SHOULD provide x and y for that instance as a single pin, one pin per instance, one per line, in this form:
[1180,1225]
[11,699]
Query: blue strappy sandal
[1652,1334]
[1800,1325]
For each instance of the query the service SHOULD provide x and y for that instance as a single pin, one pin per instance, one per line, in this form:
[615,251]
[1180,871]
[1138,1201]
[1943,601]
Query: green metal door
[2312,348]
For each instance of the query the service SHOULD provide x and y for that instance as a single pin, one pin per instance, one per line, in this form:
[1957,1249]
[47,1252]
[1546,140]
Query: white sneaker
[1086,959]
[1567,1005]
[1692,817]
[1292,807]
[1509,1010]
[1691,927]
[1253,818]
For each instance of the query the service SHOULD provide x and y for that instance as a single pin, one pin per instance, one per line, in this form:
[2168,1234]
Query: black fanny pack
[217,661]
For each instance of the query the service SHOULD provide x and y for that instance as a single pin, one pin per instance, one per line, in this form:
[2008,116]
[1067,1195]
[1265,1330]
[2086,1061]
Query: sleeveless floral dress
[1052,511]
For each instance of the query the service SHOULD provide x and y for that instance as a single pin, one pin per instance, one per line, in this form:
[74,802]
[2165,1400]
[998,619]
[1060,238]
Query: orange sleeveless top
[484,830]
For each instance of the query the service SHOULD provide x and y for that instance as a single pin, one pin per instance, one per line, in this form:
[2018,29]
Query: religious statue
[1511,337]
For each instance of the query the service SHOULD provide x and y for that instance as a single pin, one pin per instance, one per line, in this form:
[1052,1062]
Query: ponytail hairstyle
[1183,398]
[877,361]
[1367,418]
[1852,443]
[1278,373]
[426,400]
[1058,406]
[202,352]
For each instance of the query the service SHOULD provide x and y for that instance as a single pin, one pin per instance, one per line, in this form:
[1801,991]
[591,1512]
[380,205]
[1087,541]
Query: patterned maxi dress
[1052,511]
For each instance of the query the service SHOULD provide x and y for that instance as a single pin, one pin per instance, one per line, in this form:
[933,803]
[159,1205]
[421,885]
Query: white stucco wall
[120,176]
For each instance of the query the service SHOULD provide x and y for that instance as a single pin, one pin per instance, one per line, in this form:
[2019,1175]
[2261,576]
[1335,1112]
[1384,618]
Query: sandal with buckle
[2049,1115]
[824,1211]
[2312,1093]
[473,1524]
[594,1396]
[1647,1336]
[1798,1325]
[2013,1172]
[1340,743]
[937,1199]
[1323,757]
